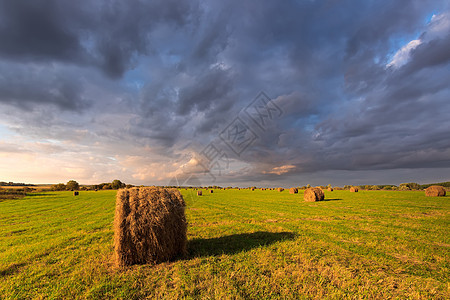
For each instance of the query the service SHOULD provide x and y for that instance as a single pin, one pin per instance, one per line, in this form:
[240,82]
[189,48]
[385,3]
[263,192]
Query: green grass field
[242,245]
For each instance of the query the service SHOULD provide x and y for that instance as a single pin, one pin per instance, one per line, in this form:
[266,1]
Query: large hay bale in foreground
[293,190]
[313,194]
[354,189]
[149,225]
[199,193]
[435,191]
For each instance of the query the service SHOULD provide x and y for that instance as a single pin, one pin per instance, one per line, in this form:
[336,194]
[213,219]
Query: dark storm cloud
[433,53]
[211,87]
[399,123]
[42,42]
[122,32]
[301,60]
[179,72]
[37,30]
[27,86]
[106,34]
[391,125]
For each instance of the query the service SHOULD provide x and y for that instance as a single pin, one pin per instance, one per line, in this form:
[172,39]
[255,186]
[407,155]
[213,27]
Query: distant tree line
[3,183]
[72,185]
[217,187]
[14,193]
[114,185]
[410,186]
[444,184]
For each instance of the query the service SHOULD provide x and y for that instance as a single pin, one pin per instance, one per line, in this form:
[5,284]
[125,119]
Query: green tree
[409,186]
[117,184]
[403,187]
[58,187]
[72,185]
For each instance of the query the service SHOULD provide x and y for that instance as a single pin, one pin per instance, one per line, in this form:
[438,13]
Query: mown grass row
[242,244]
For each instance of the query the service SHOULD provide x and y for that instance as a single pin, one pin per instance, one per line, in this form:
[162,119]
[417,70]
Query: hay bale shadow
[39,194]
[236,243]
[16,268]
[334,199]
[12,269]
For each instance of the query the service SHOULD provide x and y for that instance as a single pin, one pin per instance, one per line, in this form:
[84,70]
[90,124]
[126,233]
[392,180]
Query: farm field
[241,245]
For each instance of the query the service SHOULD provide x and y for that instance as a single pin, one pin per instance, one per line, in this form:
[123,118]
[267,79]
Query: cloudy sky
[240,93]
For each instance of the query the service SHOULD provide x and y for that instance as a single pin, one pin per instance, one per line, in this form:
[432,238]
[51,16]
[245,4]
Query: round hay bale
[280,189]
[313,194]
[199,193]
[354,189]
[293,190]
[435,191]
[76,193]
[253,189]
[149,225]
[330,189]
[211,191]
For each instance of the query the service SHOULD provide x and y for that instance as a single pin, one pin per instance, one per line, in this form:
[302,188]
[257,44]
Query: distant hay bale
[354,189]
[76,193]
[313,194]
[252,189]
[199,193]
[293,190]
[435,191]
[330,189]
[211,191]
[149,225]
[280,189]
